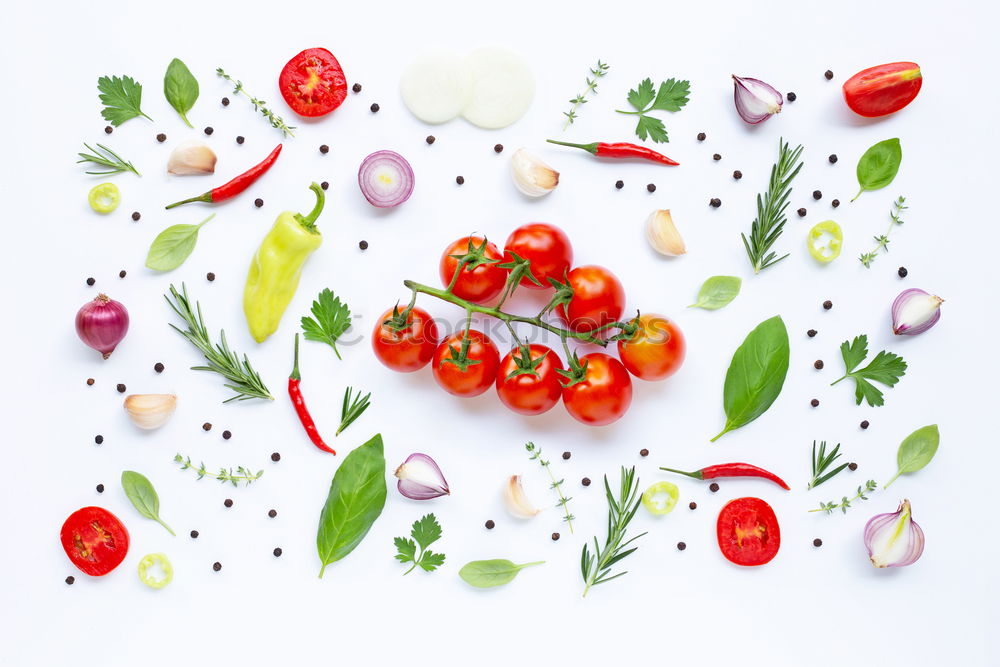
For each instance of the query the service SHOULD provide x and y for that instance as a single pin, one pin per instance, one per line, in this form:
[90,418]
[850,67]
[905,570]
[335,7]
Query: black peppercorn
[356,87]
[460,179]
[555,536]
[643,452]
[430,139]
[498,148]
[814,402]
[210,276]
[619,185]
[681,546]
[713,487]
[108,129]
[791,97]
[802,212]
[225,101]
[209,131]
[90,382]
[852,466]
[835,203]
[363,245]
[692,505]
[277,551]
[206,426]
[827,305]
[120,387]
[70,579]
[194,534]
[272,513]
[833,158]
[135,216]
[715,202]
[324,149]
[240,139]
[651,188]
[812,333]
[258,202]
[216,566]
[716,157]
[902,272]
[737,174]
[701,136]
[100,488]
[375,108]
[324,185]
[91,281]
[818,364]
[828,74]
[121,274]
[161,137]
[158,367]
[275,457]
[585,481]
[817,195]
[228,502]
[226,435]
[566,456]
[489,524]
[817,542]
[99,439]
[864,424]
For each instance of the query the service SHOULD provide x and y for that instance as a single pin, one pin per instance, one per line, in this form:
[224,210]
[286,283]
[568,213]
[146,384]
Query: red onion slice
[420,478]
[756,101]
[386,179]
[895,539]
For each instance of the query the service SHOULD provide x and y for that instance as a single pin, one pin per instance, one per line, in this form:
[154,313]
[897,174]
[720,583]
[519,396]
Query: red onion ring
[386,179]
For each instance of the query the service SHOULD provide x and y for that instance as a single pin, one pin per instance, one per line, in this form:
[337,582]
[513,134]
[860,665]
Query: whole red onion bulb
[102,324]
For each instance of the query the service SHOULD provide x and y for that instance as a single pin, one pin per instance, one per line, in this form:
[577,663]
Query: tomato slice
[883,89]
[312,83]
[95,540]
[748,532]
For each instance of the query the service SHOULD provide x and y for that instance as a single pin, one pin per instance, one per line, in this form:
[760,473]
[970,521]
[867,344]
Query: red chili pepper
[237,185]
[300,404]
[620,150]
[732,470]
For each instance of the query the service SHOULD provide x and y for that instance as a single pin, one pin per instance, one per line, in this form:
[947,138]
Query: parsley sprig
[425,531]
[332,319]
[671,96]
[595,73]
[121,97]
[882,242]
[886,368]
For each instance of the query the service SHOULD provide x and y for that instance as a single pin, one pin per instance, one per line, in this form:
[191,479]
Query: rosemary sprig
[112,160]
[596,73]
[882,242]
[536,455]
[224,475]
[821,461]
[276,121]
[352,408]
[770,220]
[845,503]
[597,566]
[242,378]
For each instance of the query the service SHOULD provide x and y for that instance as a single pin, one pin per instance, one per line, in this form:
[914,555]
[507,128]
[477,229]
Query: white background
[821,606]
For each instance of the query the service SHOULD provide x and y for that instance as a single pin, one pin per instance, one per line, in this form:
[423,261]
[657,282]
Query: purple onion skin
[415,490]
[102,324]
[897,306]
[880,521]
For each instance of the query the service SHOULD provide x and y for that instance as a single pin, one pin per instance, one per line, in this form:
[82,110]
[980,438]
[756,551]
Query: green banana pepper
[277,265]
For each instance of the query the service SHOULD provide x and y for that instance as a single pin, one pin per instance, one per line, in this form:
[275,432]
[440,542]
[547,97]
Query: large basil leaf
[173,245]
[180,88]
[878,166]
[140,491]
[917,450]
[356,498]
[756,374]
[490,573]
[717,292]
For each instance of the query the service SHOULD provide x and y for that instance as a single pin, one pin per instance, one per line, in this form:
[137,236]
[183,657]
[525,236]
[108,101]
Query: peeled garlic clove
[894,540]
[191,157]
[663,234]
[915,311]
[532,177]
[756,101]
[516,500]
[150,411]
[420,478]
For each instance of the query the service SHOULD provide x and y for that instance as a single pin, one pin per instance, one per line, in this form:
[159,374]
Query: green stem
[722,433]
[309,221]
[590,148]
[843,378]
[295,366]
[169,529]
[894,478]
[696,474]
[859,193]
[207,198]
[631,113]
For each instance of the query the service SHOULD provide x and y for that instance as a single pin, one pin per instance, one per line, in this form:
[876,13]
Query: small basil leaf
[173,245]
[490,573]
[180,88]
[143,496]
[717,291]
[878,166]
[917,450]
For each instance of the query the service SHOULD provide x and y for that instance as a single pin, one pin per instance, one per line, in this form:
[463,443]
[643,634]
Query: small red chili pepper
[235,186]
[300,404]
[732,470]
[620,150]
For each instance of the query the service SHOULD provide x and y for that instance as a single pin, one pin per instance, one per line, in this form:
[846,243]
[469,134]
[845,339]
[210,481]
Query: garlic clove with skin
[532,177]
[150,411]
[191,157]
[663,235]
[516,501]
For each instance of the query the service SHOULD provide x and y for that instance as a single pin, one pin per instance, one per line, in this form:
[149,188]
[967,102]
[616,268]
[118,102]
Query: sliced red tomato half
[312,83]
[95,540]
[748,531]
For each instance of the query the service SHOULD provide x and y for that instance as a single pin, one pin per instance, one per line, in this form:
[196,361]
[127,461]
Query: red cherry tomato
[657,350]
[598,299]
[482,283]
[546,246]
[312,83]
[95,540]
[475,378]
[410,349]
[525,393]
[748,531]
[604,394]
[884,89]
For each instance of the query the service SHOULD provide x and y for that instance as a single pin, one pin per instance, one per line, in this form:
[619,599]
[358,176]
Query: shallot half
[102,324]
[915,311]
[756,101]
[420,478]
[895,539]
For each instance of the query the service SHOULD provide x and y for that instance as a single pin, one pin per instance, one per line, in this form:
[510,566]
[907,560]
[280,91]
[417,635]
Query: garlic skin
[532,177]
[150,411]
[915,311]
[516,501]
[894,540]
[420,478]
[663,235]
[191,157]
[755,100]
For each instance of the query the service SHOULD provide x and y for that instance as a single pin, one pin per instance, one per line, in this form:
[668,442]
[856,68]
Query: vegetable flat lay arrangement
[540,323]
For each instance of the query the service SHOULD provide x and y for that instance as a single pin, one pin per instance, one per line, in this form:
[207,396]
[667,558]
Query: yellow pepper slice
[104,198]
[825,240]
[152,561]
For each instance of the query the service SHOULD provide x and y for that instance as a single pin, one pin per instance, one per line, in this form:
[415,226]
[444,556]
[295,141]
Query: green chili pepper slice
[155,561]
[825,240]
[660,498]
[105,197]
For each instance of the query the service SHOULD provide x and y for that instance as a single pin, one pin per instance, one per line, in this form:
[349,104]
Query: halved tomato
[95,540]
[748,531]
[312,83]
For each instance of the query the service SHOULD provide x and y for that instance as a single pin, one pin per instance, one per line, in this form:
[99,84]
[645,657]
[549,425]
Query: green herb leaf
[407,549]
[596,567]
[756,374]
[652,128]
[717,291]
[180,88]
[879,165]
[640,97]
[356,498]
[770,220]
[426,530]
[333,318]
[916,451]
[886,368]
[673,94]
[490,573]
[121,97]
[173,245]
[143,496]
[353,407]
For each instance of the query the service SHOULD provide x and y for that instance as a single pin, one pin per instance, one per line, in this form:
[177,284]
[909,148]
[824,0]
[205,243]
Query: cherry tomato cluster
[589,301]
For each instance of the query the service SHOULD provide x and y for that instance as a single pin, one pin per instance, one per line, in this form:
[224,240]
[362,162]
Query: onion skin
[102,324]
[883,89]
[894,527]
[755,100]
[915,311]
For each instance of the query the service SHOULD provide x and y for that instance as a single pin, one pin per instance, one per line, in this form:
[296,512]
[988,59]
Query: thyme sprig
[224,475]
[536,455]
[596,73]
[882,242]
[112,160]
[276,121]
[352,408]
[596,566]
[770,220]
[821,461]
[845,502]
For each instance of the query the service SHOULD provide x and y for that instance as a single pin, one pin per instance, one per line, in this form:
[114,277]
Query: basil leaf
[173,245]
[143,496]
[180,88]
[356,498]
[916,451]
[490,573]
[878,166]
[717,291]
[756,374]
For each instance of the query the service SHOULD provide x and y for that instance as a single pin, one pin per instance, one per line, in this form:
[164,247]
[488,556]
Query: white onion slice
[502,87]
[435,87]
[386,179]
